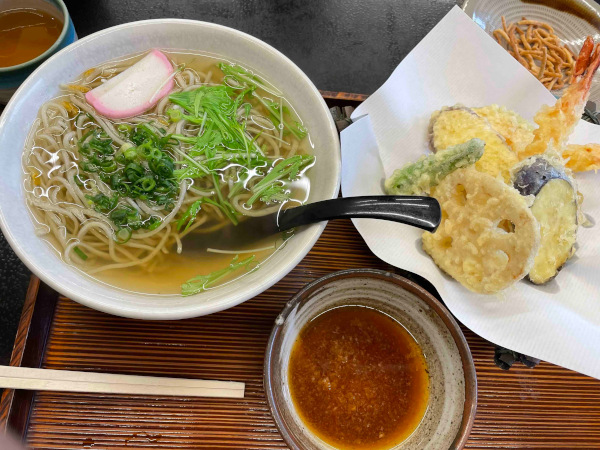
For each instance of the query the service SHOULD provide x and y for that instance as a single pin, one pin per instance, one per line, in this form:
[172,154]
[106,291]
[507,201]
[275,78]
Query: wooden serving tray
[544,407]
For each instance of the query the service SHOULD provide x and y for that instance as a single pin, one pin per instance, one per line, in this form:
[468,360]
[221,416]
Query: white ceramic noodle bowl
[123,40]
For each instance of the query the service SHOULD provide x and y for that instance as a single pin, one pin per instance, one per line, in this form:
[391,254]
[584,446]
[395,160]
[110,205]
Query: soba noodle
[76,207]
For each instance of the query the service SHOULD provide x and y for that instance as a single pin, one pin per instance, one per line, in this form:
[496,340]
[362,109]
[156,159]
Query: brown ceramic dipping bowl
[452,380]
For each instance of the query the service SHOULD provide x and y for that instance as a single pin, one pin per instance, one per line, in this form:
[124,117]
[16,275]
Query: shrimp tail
[585,73]
[556,123]
[583,60]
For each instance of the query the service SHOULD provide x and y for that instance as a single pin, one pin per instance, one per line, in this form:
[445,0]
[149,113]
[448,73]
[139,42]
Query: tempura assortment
[510,204]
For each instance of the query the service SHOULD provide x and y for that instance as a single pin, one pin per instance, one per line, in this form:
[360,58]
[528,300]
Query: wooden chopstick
[108,383]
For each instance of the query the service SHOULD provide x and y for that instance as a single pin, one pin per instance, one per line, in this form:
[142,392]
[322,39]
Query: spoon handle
[420,212]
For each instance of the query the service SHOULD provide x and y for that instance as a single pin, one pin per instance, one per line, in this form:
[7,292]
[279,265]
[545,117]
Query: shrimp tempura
[556,123]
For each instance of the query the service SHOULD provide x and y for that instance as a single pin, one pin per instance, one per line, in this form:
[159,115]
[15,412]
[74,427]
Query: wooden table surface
[544,407]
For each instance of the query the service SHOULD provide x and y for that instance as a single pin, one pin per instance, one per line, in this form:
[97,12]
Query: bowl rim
[32,62]
[313,232]
[470,406]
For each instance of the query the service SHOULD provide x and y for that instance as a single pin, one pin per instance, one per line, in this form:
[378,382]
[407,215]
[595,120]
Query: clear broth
[175,268]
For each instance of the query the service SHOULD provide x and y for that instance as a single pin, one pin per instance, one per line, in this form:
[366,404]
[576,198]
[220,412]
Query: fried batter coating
[488,237]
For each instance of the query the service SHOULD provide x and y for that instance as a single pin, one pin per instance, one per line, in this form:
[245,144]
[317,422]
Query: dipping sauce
[358,379]
[26,33]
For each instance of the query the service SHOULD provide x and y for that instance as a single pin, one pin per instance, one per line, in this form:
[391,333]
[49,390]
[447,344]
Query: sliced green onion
[134,172]
[152,223]
[146,183]
[175,115]
[123,235]
[80,253]
[124,128]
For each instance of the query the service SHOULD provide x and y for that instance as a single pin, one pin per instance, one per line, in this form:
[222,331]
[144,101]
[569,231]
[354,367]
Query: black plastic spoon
[420,212]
